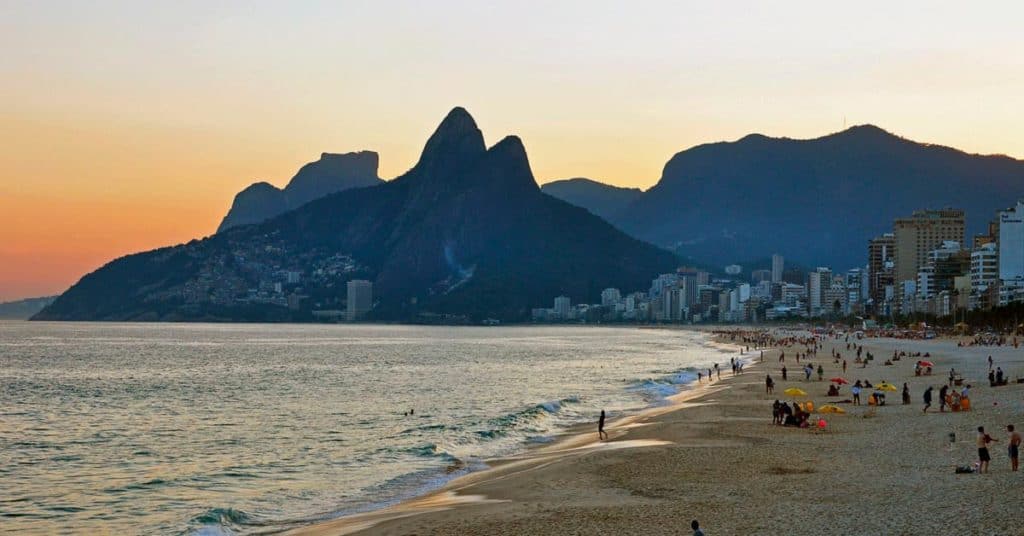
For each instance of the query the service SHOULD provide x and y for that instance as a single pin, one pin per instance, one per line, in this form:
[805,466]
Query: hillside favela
[462,268]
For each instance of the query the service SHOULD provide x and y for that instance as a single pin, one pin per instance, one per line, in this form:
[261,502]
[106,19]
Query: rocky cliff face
[330,174]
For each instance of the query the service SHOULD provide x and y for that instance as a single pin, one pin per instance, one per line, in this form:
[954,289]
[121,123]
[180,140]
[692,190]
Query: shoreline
[576,440]
[874,470]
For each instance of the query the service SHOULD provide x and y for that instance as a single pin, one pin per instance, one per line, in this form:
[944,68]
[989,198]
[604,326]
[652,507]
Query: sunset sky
[130,125]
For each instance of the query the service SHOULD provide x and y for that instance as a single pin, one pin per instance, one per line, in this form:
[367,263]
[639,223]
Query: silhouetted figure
[696,528]
[601,434]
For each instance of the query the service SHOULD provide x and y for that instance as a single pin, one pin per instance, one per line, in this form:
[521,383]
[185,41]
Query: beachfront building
[1011,253]
[881,272]
[662,282]
[940,276]
[360,298]
[818,282]
[562,308]
[920,234]
[984,275]
[610,297]
[778,265]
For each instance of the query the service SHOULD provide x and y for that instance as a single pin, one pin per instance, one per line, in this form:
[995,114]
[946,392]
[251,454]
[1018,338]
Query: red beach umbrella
[839,381]
[926,363]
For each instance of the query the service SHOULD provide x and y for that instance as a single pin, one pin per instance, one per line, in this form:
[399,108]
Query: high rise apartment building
[920,234]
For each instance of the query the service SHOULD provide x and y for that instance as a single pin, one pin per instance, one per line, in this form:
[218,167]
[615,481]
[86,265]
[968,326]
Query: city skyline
[129,127]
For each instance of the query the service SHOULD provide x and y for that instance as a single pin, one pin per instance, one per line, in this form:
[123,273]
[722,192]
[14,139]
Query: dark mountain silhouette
[332,173]
[601,199]
[466,231]
[815,201]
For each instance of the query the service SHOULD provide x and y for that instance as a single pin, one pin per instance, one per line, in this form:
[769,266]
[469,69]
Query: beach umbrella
[831,408]
[926,363]
[885,386]
[839,381]
[795,391]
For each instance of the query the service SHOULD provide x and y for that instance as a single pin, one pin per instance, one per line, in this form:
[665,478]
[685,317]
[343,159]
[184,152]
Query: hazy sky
[130,125]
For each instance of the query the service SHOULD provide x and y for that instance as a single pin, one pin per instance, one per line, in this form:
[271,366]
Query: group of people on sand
[948,397]
[785,415]
[983,440]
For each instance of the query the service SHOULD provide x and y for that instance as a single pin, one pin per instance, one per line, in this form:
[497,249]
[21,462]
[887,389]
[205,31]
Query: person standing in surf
[601,434]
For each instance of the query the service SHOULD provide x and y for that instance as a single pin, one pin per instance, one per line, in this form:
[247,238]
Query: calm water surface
[220,429]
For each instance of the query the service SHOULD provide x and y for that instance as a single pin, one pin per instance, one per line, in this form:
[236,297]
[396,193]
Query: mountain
[24,309]
[601,199]
[465,232]
[815,201]
[332,173]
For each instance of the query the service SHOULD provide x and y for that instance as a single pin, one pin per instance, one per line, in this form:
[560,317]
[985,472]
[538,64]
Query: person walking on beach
[942,398]
[601,434]
[1014,447]
[990,362]
[696,528]
[906,395]
[855,391]
[983,455]
[783,372]
[927,399]
[844,366]
[769,383]
[821,372]
[700,376]
[718,372]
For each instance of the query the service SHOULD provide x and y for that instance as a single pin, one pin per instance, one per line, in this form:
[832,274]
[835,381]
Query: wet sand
[716,457]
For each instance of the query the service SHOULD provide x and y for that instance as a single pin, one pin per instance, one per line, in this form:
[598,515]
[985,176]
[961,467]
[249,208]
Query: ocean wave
[532,420]
[655,390]
[220,521]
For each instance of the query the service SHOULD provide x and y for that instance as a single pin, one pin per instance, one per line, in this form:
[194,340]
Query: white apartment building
[1011,246]
[984,271]
[610,297]
[360,298]
[778,264]
[562,307]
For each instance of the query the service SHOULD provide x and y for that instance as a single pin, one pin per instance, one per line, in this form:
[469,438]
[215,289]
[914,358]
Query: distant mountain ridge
[465,232]
[331,173]
[816,201]
[602,199]
[24,309]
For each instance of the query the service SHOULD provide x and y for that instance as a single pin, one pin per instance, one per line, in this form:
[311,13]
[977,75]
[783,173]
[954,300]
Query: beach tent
[885,386]
[795,391]
[831,408]
[840,381]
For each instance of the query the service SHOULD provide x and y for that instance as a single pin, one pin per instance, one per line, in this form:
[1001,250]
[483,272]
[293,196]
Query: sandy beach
[716,456]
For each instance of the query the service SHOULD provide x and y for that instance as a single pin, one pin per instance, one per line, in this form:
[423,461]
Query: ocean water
[238,429]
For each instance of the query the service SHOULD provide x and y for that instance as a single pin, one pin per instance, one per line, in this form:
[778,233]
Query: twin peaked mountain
[466,231]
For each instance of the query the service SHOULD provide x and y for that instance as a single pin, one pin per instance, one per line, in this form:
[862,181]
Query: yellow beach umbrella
[885,386]
[829,408]
[795,391]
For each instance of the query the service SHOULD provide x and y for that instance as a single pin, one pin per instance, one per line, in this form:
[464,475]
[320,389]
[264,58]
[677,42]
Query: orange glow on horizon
[129,126]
